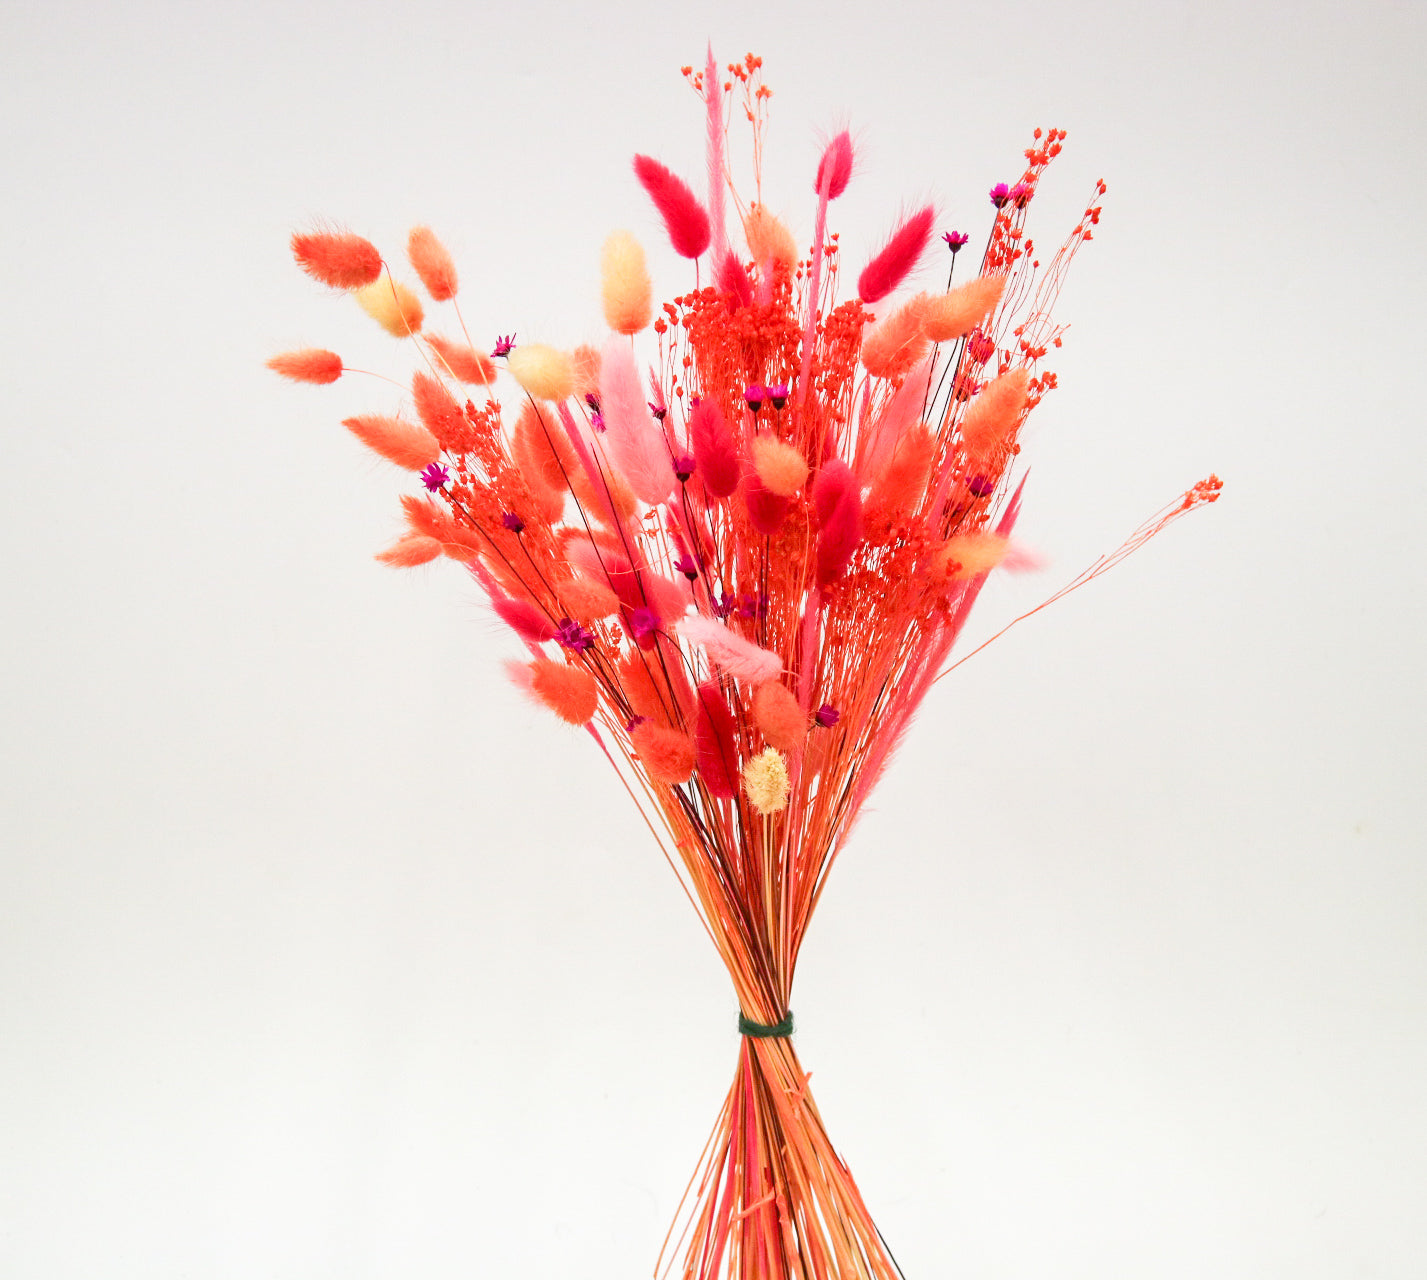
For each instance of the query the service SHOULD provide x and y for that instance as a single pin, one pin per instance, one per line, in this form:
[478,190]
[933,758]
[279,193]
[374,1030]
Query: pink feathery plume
[826,175]
[895,260]
[729,651]
[714,738]
[714,452]
[713,101]
[684,216]
[838,500]
[732,279]
[599,483]
[527,621]
[876,443]
[633,443]
[835,167]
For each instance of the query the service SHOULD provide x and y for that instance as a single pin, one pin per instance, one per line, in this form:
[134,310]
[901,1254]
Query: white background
[324,955]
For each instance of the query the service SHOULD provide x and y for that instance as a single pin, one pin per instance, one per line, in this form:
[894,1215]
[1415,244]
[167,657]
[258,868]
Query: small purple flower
[980,486]
[573,636]
[955,239]
[755,395]
[724,605]
[684,465]
[512,522]
[634,723]
[643,623]
[503,346]
[435,477]
[1000,193]
[778,395]
[658,410]
[827,715]
[597,421]
[1019,194]
[592,400]
[686,565]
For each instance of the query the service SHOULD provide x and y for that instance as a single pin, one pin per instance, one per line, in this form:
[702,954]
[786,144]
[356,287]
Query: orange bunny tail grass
[462,362]
[955,314]
[782,722]
[404,443]
[337,258]
[431,262]
[543,372]
[311,364]
[667,755]
[569,692]
[410,551]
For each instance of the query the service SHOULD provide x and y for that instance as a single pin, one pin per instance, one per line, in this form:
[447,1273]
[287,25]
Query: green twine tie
[778,1031]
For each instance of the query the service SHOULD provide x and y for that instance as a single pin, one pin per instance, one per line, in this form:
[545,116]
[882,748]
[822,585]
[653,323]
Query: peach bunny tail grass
[312,364]
[393,306]
[544,372]
[628,291]
[735,535]
[432,264]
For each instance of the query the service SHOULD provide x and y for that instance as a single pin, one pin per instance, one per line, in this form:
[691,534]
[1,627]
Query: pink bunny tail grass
[337,258]
[527,621]
[311,364]
[635,445]
[462,362]
[570,692]
[955,314]
[437,407]
[780,719]
[837,499]
[410,551]
[766,509]
[835,167]
[715,739]
[876,444]
[393,306]
[732,279]
[894,262]
[729,651]
[714,451]
[714,126]
[404,443]
[994,413]
[668,755]
[892,347]
[431,262]
[684,217]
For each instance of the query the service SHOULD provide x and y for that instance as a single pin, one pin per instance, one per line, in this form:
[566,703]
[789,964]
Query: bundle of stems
[741,569]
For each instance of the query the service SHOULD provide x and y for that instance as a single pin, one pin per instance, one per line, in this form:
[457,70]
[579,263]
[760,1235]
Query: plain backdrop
[322,954]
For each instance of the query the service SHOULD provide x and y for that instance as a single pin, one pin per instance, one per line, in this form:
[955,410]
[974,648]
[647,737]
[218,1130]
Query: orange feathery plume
[953,315]
[311,364]
[568,691]
[404,443]
[993,414]
[432,263]
[628,291]
[337,258]
[462,362]
[891,348]
[410,551]
[667,754]
[779,717]
[544,372]
[781,468]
